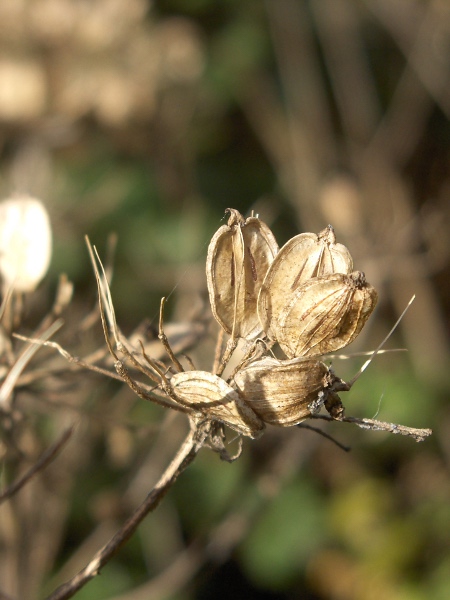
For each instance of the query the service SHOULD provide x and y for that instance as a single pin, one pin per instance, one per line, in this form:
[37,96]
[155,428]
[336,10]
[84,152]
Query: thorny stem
[372,424]
[184,457]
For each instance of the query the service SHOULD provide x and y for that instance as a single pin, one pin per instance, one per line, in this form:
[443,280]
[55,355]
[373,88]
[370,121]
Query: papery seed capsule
[25,243]
[304,256]
[239,256]
[324,314]
[213,396]
[285,392]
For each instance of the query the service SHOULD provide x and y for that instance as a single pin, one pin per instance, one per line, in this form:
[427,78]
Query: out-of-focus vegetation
[149,119]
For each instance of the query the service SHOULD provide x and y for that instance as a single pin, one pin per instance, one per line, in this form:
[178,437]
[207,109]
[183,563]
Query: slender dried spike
[324,314]
[122,371]
[105,302]
[101,299]
[304,256]
[229,349]
[154,365]
[239,256]
[378,350]
[165,342]
[218,351]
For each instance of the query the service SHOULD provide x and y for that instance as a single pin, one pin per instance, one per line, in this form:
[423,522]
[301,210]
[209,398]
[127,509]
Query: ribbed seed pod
[213,396]
[239,256]
[304,256]
[324,314]
[284,392]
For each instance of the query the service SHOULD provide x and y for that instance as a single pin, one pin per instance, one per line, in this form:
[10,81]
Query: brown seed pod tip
[327,235]
[235,217]
[358,279]
[334,405]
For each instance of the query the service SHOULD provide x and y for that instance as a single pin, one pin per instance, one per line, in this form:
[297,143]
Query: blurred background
[148,119]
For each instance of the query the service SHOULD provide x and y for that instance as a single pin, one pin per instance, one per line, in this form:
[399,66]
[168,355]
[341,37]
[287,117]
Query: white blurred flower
[25,243]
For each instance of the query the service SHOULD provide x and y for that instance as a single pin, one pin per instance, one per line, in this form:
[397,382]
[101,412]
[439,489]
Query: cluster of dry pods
[305,297]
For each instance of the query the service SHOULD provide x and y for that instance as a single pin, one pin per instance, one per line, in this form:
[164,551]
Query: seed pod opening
[239,256]
[324,314]
[284,392]
[212,396]
[304,256]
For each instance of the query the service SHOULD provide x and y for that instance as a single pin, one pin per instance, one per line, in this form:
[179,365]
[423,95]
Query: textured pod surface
[304,256]
[325,314]
[283,392]
[213,396]
[239,256]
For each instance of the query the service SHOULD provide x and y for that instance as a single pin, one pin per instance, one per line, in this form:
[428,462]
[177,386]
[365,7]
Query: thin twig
[325,435]
[373,425]
[185,455]
[69,357]
[20,364]
[43,461]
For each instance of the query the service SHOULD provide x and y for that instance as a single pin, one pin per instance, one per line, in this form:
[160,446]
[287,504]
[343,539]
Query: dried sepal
[239,256]
[211,395]
[324,314]
[304,256]
[284,392]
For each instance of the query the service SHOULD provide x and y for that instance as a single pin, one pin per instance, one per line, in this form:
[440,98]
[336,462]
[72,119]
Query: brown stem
[372,424]
[185,455]
[43,461]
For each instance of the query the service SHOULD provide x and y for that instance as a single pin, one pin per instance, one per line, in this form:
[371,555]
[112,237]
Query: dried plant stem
[43,461]
[229,349]
[372,424]
[185,455]
[218,351]
[325,435]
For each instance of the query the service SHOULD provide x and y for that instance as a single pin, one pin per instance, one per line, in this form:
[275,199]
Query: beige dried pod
[213,396]
[25,243]
[324,314]
[239,256]
[284,392]
[304,256]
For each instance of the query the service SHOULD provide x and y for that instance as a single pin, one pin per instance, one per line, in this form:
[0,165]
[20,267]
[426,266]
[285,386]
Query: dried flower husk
[239,256]
[304,256]
[25,242]
[284,392]
[324,314]
[213,396]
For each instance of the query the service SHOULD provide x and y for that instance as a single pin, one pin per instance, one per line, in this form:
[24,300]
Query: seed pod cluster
[303,257]
[305,297]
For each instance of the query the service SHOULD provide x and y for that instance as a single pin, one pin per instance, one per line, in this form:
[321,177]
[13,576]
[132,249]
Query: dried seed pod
[213,396]
[285,392]
[304,256]
[324,314]
[239,256]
